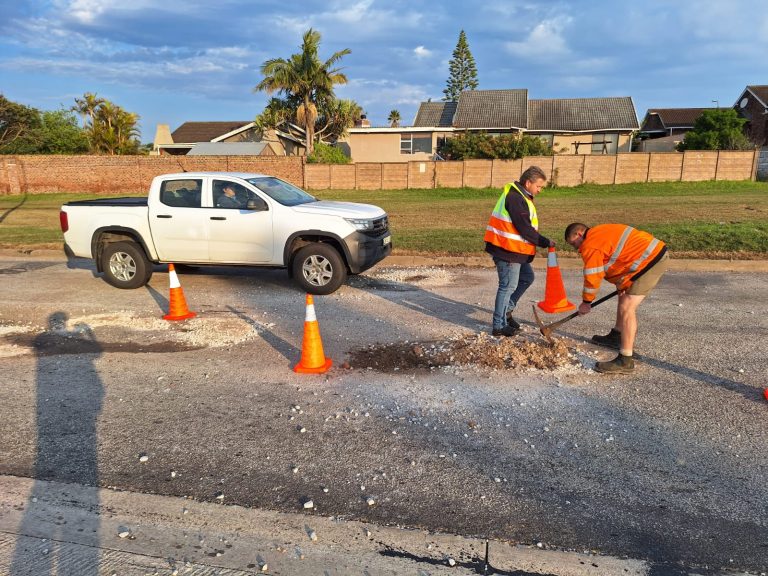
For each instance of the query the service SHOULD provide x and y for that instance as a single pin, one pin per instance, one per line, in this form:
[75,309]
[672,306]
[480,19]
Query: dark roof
[435,114]
[677,117]
[492,109]
[761,92]
[576,114]
[191,132]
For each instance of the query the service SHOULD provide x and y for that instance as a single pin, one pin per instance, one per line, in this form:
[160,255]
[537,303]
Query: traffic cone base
[555,298]
[313,360]
[177,304]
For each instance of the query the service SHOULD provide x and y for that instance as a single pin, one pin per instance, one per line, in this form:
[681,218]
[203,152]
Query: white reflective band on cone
[310,317]
[551,259]
[174,279]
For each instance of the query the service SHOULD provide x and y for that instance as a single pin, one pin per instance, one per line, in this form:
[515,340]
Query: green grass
[696,219]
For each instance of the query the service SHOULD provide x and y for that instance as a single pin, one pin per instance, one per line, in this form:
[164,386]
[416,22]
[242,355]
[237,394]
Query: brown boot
[619,365]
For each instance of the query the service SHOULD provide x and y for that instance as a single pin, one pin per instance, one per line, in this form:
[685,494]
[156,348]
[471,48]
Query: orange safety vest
[502,233]
[615,252]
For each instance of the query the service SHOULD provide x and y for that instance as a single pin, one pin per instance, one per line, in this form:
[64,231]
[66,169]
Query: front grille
[380,225]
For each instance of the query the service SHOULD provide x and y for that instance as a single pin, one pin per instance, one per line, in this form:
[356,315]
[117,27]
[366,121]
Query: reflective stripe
[501,216]
[591,290]
[507,234]
[551,260]
[644,255]
[619,247]
[590,271]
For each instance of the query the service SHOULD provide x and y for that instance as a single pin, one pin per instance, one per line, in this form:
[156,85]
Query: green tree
[462,71]
[327,154]
[394,118]
[470,145]
[719,129]
[305,79]
[16,120]
[109,128]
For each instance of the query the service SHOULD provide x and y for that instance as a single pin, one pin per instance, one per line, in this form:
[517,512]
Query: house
[224,139]
[663,129]
[752,104]
[570,125]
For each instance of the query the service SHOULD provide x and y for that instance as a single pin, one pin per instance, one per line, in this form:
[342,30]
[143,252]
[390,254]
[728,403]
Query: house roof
[438,114]
[190,132]
[231,149]
[677,117]
[582,114]
[492,109]
[760,92]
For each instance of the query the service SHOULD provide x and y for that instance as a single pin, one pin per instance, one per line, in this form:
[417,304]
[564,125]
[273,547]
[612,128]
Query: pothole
[481,350]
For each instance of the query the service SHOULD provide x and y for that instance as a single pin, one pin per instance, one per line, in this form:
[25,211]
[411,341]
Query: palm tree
[394,118]
[304,77]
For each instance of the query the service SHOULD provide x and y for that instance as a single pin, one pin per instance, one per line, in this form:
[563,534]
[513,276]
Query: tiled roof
[492,109]
[435,114]
[232,149]
[761,92]
[576,114]
[191,132]
[678,117]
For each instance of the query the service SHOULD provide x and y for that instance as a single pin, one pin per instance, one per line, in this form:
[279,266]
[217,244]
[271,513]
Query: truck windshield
[283,192]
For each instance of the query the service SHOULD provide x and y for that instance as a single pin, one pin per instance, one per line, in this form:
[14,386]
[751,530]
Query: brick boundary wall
[34,174]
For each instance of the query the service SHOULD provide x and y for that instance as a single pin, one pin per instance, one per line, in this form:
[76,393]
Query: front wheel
[318,269]
[125,265]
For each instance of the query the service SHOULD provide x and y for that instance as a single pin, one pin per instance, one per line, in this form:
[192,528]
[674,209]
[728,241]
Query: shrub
[327,154]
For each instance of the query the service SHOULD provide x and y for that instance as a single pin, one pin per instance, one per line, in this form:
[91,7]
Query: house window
[605,143]
[414,143]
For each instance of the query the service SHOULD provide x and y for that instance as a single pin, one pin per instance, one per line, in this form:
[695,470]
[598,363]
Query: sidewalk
[50,528]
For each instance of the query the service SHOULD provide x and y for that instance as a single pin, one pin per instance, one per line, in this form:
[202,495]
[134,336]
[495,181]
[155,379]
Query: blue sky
[181,60]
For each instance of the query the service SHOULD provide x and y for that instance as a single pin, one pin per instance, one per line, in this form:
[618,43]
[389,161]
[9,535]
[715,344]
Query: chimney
[363,122]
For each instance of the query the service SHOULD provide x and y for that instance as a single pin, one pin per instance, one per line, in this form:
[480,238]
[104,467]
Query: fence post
[682,166]
[717,164]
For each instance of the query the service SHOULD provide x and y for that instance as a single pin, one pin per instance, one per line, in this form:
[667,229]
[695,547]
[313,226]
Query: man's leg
[508,273]
[626,320]
[524,281]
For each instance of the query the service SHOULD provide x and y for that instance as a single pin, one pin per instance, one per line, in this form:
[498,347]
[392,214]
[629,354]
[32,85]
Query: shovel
[547,329]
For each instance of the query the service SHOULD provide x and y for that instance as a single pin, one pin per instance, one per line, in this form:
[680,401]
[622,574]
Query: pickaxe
[547,329]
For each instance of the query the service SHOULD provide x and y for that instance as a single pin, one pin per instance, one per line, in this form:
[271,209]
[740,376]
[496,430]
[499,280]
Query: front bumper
[364,251]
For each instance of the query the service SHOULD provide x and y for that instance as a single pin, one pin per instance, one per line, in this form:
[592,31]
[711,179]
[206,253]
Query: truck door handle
[164,216]
[218,217]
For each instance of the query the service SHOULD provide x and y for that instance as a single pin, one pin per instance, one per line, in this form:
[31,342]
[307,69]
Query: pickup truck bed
[124,201]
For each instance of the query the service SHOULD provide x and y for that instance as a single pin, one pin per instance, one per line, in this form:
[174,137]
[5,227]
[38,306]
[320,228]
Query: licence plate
[387,240]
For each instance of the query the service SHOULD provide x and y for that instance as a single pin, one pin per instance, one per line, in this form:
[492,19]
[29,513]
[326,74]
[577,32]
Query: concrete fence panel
[421,174]
[477,173]
[568,170]
[505,171]
[394,176]
[732,165]
[343,177]
[368,175]
[449,174]
[665,167]
[699,165]
[599,169]
[631,167]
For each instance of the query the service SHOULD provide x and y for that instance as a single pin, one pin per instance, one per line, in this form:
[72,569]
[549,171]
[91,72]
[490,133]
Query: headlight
[361,224]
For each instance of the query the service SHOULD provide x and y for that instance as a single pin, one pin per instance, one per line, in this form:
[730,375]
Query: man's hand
[584,308]
[551,243]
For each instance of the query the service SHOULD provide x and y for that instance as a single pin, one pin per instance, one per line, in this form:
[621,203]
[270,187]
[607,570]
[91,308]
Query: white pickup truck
[227,218]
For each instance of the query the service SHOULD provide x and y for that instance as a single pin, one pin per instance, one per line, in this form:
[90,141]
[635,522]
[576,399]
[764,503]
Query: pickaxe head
[546,331]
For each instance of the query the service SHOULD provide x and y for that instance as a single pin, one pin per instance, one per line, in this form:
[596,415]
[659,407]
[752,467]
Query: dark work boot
[610,340]
[506,331]
[512,322]
[619,365]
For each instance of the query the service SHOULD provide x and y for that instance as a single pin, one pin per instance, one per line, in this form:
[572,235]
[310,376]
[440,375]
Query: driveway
[668,465]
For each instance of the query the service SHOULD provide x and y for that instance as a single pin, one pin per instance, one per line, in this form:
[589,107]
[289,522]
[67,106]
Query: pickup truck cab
[227,218]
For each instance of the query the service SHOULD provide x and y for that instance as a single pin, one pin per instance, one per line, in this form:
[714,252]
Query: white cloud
[546,40]
[422,52]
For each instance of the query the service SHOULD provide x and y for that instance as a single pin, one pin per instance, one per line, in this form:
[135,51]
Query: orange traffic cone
[765,393]
[178,304]
[313,361]
[555,298]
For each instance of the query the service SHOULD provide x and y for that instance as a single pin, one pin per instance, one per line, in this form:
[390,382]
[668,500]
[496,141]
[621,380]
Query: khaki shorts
[643,285]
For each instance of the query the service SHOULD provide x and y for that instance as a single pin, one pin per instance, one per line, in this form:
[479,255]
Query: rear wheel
[125,265]
[318,269]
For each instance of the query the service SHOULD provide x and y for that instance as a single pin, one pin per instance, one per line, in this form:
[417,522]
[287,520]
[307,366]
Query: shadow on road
[287,349]
[68,404]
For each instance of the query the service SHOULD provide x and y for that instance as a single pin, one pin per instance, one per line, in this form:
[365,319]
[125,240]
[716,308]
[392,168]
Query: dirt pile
[518,353]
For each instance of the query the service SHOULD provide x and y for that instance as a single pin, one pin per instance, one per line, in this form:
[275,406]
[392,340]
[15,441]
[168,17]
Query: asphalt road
[668,465]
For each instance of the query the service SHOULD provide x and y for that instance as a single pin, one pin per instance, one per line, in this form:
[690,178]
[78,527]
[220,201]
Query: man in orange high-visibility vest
[511,238]
[631,259]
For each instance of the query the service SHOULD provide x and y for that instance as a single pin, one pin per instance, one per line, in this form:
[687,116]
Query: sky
[193,60]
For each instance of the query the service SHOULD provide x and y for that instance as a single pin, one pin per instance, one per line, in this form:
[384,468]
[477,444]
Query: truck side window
[229,194]
[181,193]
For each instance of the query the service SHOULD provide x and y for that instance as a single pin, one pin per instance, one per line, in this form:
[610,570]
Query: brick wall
[132,174]
[35,174]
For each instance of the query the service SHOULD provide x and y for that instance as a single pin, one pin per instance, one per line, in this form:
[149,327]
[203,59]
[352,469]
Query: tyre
[318,269]
[125,265]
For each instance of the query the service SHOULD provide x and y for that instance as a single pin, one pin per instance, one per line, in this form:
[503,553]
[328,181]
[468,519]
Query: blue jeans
[514,280]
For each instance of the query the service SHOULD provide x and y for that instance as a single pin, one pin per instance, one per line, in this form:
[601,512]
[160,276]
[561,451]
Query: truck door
[236,233]
[179,225]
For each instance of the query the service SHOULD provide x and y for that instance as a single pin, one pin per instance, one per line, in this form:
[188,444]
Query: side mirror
[257,205]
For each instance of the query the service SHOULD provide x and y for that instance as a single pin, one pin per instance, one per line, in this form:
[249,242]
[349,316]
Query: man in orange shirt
[631,259]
